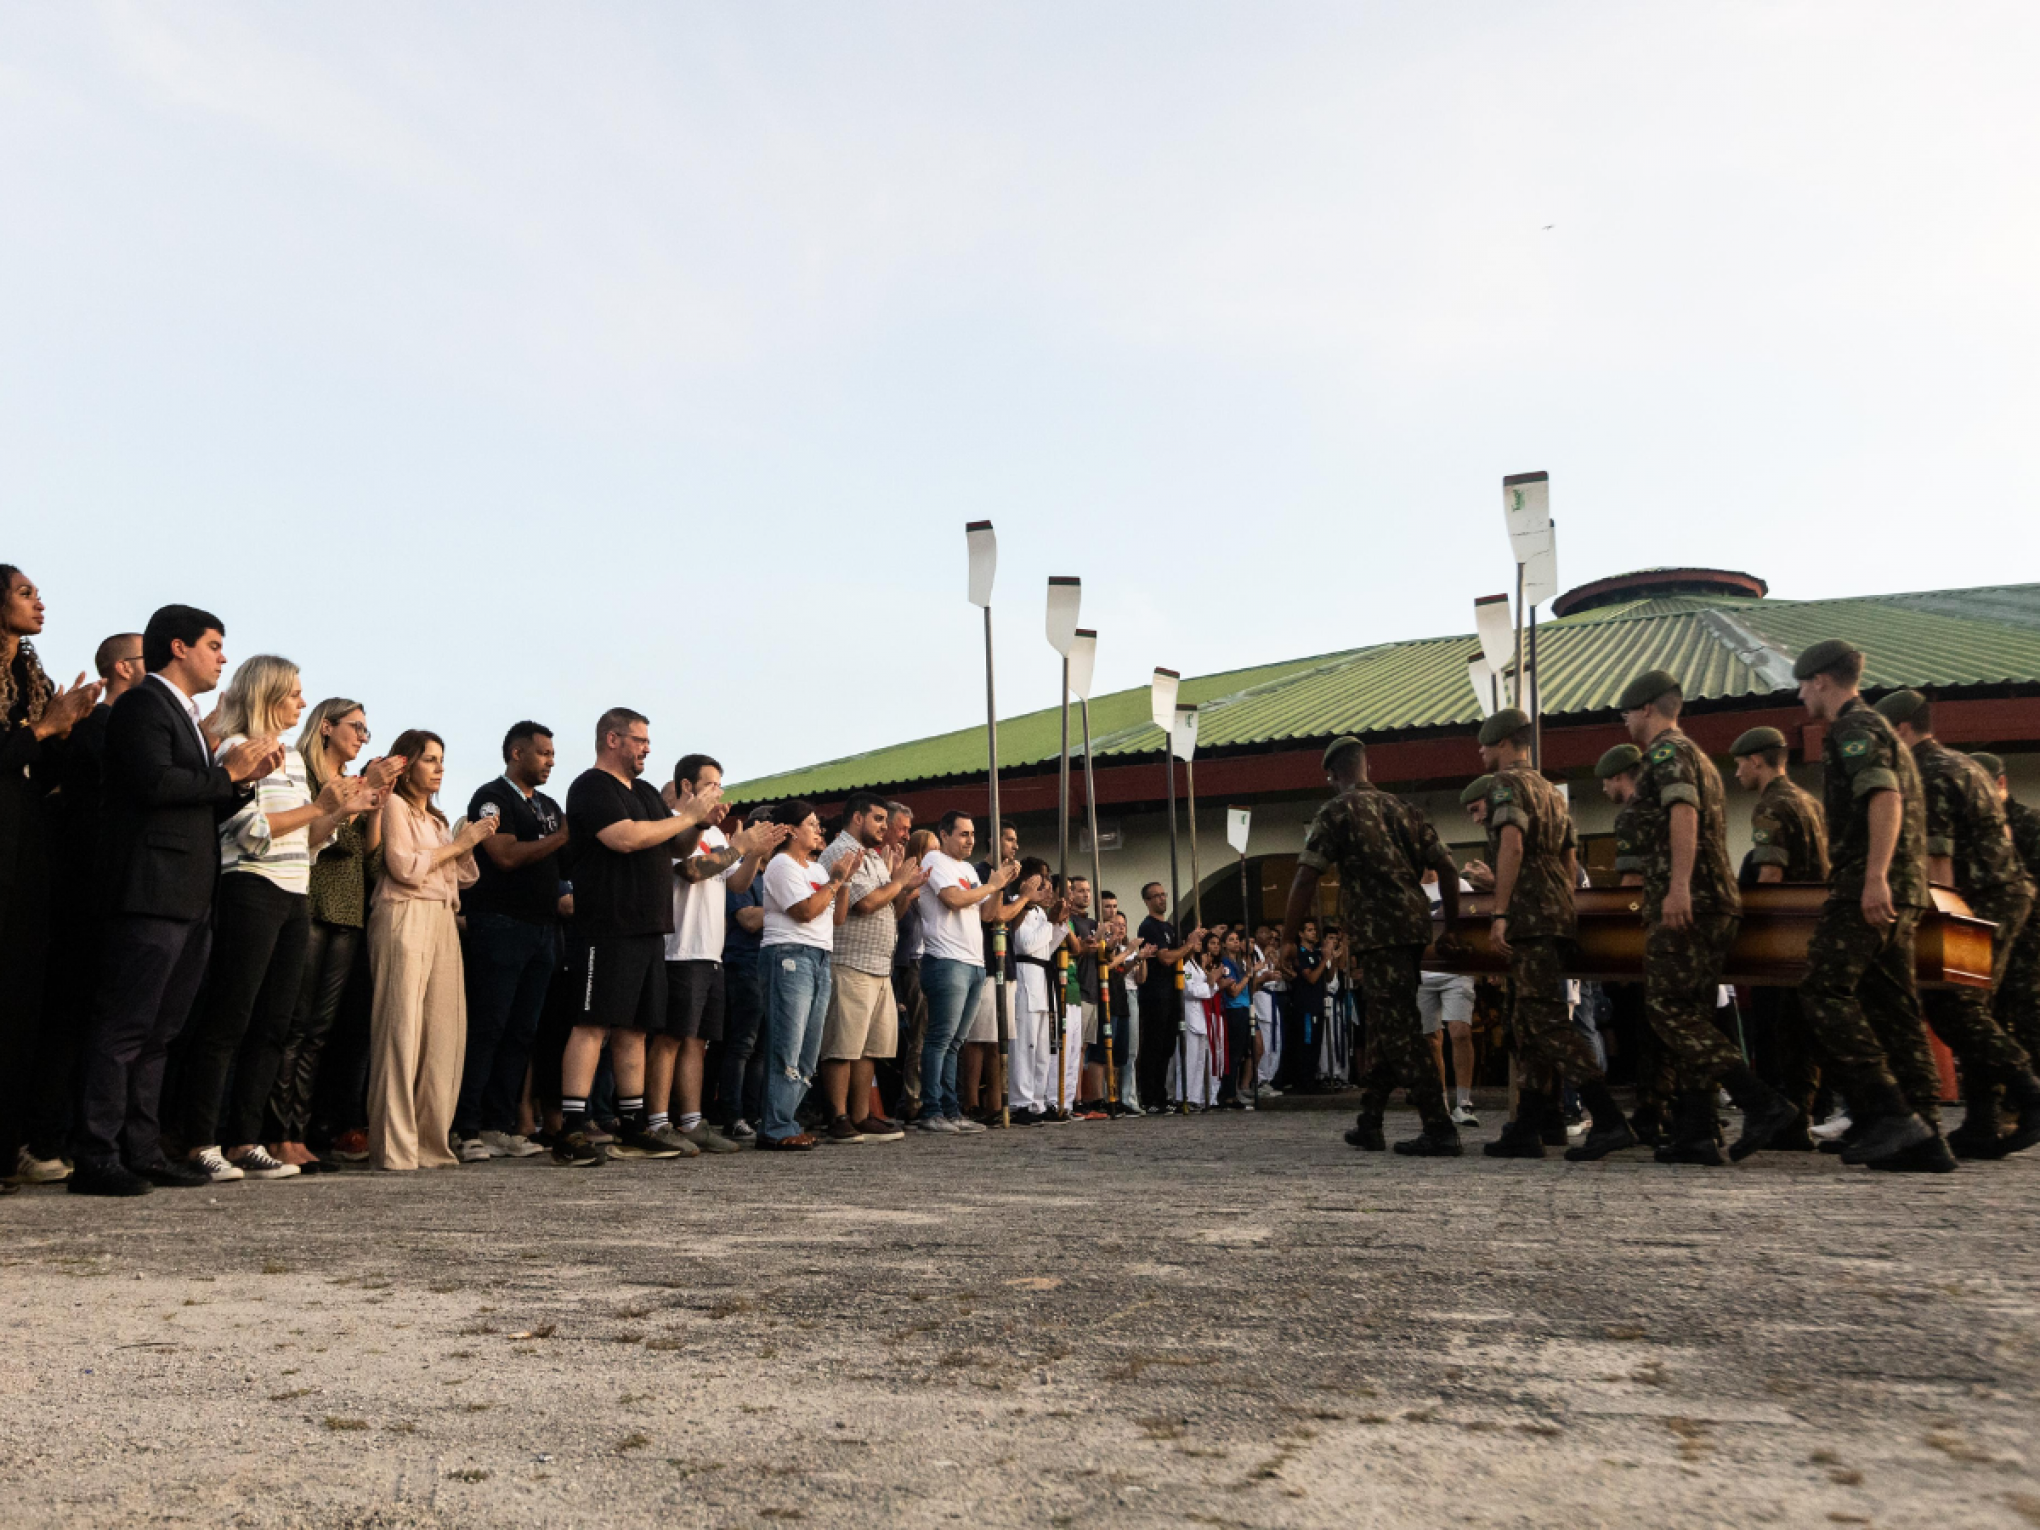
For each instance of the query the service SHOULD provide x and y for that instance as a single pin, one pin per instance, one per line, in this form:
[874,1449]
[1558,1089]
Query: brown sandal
[799,1142]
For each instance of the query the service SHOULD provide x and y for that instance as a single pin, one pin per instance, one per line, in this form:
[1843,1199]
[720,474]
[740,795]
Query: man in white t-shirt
[694,972]
[1445,1007]
[955,904]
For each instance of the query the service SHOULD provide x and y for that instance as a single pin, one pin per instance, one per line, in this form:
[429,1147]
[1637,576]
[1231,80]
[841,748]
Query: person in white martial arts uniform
[1036,938]
[1202,1088]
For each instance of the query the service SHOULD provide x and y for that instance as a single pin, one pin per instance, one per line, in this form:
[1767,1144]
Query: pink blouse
[409,837]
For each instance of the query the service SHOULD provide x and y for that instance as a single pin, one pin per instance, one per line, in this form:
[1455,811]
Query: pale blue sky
[502,360]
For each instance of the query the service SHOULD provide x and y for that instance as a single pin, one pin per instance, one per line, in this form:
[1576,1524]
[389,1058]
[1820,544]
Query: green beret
[1756,741]
[1823,655]
[1901,706]
[1475,790]
[1339,746]
[1992,765]
[1646,688]
[1622,757]
[1506,723]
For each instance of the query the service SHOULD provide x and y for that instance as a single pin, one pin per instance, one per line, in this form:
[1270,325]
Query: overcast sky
[499,360]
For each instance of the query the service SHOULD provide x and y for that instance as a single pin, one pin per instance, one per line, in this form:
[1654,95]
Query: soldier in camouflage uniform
[1656,1082]
[1788,843]
[1859,993]
[1969,846]
[1535,861]
[1382,846]
[2017,1005]
[1691,911]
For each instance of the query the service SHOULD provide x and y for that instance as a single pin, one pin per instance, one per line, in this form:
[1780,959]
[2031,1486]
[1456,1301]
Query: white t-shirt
[698,907]
[955,934]
[787,882]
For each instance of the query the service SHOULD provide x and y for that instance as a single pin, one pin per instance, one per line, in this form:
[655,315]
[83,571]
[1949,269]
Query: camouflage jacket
[1628,848]
[1966,821]
[2025,826]
[1861,757]
[1674,770]
[1381,846]
[1787,829]
[1541,903]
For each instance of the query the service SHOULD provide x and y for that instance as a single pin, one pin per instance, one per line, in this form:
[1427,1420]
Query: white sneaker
[1829,1129]
[964,1126]
[936,1124]
[31,1170]
[472,1150]
[1462,1115]
[1267,1092]
[742,1131]
[511,1145]
[257,1163]
[215,1164]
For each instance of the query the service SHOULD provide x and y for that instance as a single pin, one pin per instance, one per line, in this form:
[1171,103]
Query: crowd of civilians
[235,943]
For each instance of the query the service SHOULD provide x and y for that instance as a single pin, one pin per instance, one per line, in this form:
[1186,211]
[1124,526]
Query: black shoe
[1705,1151]
[1648,1125]
[1694,1135]
[1516,1141]
[1793,1137]
[1433,1142]
[1851,1135]
[1602,1141]
[2027,1131]
[1929,1157]
[107,1179]
[174,1174]
[572,1150]
[1366,1136]
[1027,1116]
[1887,1135]
[1764,1116]
[1984,1144]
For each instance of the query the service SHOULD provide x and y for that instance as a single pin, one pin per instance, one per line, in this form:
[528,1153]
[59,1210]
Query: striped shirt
[246,843]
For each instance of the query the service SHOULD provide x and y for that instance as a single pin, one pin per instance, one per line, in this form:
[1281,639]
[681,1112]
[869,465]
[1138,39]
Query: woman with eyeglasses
[335,733]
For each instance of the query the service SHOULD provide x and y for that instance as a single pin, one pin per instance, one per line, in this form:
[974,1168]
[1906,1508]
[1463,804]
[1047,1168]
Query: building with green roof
[1260,730]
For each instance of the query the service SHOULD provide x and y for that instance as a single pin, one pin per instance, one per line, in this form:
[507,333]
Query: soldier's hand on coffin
[1877,908]
[1678,909]
[1479,875]
[1451,948]
[1498,935]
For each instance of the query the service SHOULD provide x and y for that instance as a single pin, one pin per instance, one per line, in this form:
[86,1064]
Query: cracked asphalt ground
[1219,1321]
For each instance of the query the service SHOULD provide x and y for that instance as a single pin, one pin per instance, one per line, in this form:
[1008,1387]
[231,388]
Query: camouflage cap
[1504,724]
[1339,746]
[1475,789]
[1823,655]
[1622,757]
[1646,688]
[1901,706]
[1756,741]
[1992,765]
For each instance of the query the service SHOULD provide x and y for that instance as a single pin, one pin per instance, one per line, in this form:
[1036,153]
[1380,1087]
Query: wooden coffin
[1951,948]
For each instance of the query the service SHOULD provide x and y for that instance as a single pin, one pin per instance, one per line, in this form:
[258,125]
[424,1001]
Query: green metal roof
[1721,648]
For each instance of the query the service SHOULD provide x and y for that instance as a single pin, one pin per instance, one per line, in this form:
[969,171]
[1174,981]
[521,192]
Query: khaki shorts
[1090,1021]
[984,1025]
[863,1019]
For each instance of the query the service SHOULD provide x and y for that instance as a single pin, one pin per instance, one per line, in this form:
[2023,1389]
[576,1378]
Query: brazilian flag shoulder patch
[1853,748]
[1663,752]
[1502,794]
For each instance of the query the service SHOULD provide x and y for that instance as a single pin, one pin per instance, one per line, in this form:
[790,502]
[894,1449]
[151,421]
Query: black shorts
[694,1000]
[621,983]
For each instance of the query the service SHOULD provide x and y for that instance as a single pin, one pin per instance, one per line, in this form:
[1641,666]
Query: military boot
[1551,1130]
[1794,1136]
[1648,1124]
[1440,1139]
[1765,1112]
[1981,1134]
[2024,1096]
[1929,1157]
[1522,1137]
[1610,1134]
[1365,1133]
[1693,1131]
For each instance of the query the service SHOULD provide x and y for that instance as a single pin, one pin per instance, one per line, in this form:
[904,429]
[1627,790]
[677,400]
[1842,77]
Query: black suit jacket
[164,800]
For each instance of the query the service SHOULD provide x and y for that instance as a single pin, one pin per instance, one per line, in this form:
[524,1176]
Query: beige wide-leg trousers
[417,1034]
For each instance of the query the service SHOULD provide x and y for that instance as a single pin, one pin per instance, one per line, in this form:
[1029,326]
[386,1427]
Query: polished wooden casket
[1951,948]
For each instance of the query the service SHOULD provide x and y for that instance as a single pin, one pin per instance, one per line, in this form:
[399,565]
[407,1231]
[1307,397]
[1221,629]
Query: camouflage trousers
[1962,1017]
[1782,1048]
[1546,1043]
[1862,1003]
[2017,1004]
[1398,1053]
[1681,978]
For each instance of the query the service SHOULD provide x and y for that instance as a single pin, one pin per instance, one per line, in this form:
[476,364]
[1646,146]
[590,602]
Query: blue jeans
[509,966]
[797,983]
[951,988]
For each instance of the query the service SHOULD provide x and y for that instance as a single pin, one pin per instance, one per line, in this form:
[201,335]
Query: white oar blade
[1482,678]
[1183,737]
[984,560]
[1162,698]
[1064,597]
[1083,657]
[1237,821]
[1526,503]
[1540,571]
[1491,624]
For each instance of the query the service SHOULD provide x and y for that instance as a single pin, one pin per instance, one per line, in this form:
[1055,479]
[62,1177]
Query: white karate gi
[1196,1048]
[1031,1079]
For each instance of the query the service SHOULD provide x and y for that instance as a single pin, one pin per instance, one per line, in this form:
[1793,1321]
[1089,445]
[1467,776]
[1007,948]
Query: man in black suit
[164,799]
[74,896]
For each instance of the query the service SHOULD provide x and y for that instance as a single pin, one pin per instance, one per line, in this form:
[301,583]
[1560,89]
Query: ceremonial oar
[984,563]
[1065,595]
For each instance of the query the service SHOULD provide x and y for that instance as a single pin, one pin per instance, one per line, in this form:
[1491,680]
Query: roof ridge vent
[1651,583]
